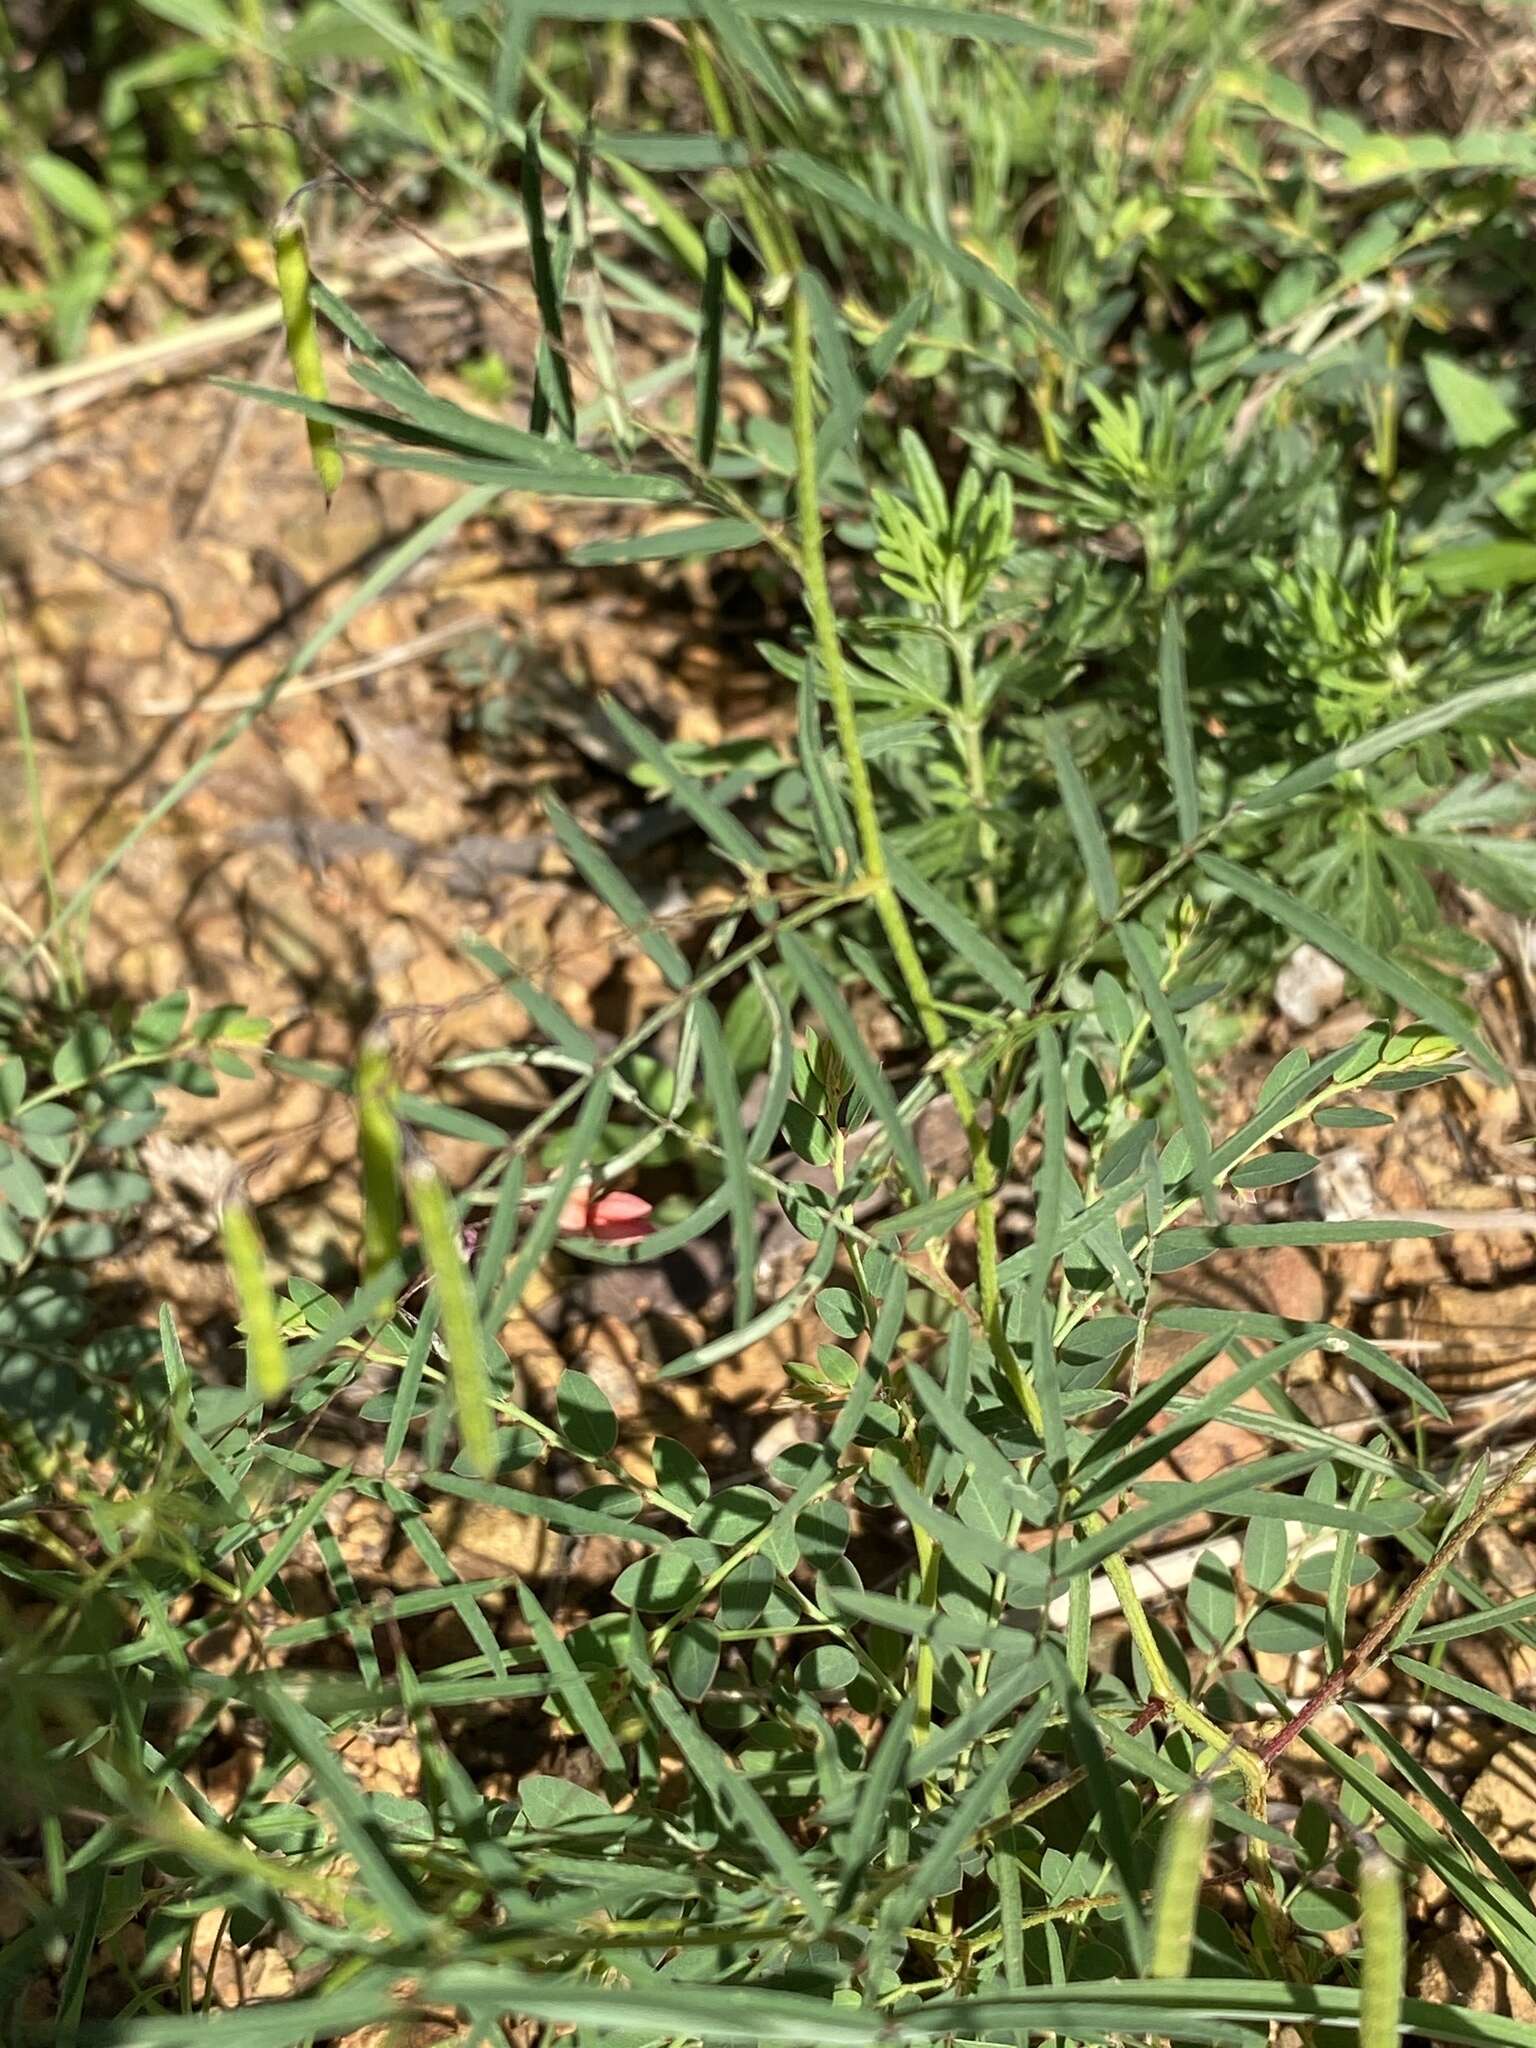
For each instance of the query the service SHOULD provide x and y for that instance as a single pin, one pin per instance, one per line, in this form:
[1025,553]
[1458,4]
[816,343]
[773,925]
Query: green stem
[888,906]
[1391,406]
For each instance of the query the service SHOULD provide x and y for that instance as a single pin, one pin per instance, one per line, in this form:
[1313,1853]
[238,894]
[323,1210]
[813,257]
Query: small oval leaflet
[587,1420]
[658,1584]
[828,1669]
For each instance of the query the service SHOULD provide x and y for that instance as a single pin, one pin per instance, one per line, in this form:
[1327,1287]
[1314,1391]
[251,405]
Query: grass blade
[1178,732]
[972,945]
[565,1674]
[730,1126]
[829,817]
[821,993]
[1373,968]
[706,378]
[552,392]
[1141,957]
[1084,821]
[357,1829]
[437,1228]
[732,1789]
[620,895]
[814,176]
[720,825]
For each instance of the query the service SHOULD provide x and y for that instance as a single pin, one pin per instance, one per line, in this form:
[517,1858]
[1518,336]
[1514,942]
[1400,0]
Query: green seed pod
[264,1346]
[459,1322]
[379,1141]
[291,250]
[1383,1957]
[1176,1885]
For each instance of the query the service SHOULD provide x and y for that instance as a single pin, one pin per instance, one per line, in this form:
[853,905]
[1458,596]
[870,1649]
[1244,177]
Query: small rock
[483,1541]
[1502,1802]
[1342,1186]
[1307,987]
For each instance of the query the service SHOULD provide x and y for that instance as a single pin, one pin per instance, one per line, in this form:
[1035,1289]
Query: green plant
[842,1757]
[80,1090]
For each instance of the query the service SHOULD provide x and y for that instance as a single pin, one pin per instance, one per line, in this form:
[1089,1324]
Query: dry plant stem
[1377,1640]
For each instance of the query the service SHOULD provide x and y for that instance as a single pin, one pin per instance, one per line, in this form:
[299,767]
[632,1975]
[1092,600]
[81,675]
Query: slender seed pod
[291,249]
[1383,1951]
[1176,1886]
[246,1256]
[459,1322]
[379,1141]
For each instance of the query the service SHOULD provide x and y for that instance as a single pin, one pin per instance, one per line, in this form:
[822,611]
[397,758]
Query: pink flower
[612,1217]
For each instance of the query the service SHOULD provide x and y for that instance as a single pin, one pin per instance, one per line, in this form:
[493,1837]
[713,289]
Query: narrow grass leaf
[1105,1485]
[437,1227]
[1083,1737]
[970,1811]
[1078,804]
[1478,1623]
[553,385]
[973,946]
[713,819]
[1373,968]
[383,576]
[986,1463]
[550,1016]
[985,25]
[1482,1702]
[294,1533]
[732,1790]
[1178,729]
[1219,2009]
[1141,957]
[672,544]
[358,1833]
[518,18]
[1035,1319]
[829,817]
[730,1128]
[568,1681]
[1492,1893]
[706,375]
[812,175]
[1186,1244]
[544,1228]
[834,364]
[1206,1496]
[542,1507]
[822,994]
[495,1246]
[886,1770]
[1388,739]
[622,898]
